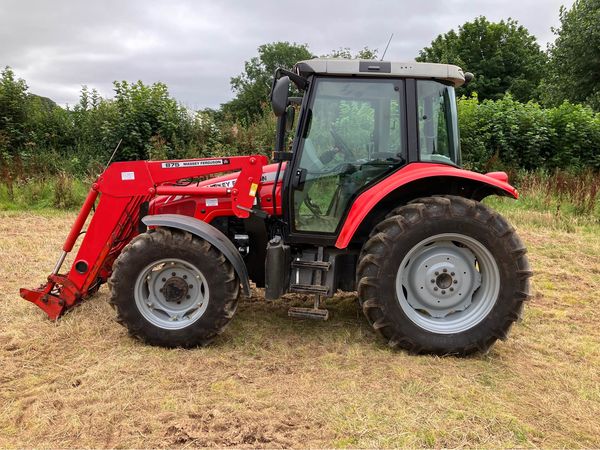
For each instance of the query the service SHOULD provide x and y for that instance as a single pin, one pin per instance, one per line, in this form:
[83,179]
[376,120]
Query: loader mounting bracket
[54,297]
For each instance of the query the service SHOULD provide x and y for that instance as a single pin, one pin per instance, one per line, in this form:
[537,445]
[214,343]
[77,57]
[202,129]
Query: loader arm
[124,189]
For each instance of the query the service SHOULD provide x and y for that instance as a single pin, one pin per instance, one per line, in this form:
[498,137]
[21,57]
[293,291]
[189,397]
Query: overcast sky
[196,46]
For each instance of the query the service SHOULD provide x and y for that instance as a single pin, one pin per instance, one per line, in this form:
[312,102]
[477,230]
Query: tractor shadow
[266,323]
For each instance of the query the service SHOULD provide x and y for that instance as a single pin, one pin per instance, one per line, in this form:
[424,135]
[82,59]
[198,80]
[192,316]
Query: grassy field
[270,381]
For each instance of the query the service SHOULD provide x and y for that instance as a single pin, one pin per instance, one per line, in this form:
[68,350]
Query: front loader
[371,198]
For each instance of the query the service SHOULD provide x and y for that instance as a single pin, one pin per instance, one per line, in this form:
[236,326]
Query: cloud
[196,46]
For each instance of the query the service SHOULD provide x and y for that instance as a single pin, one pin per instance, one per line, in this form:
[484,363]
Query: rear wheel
[173,289]
[443,275]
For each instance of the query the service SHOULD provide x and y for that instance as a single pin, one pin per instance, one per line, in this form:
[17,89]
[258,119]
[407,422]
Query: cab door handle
[299,179]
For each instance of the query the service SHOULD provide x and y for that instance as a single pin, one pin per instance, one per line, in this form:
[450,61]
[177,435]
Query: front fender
[369,199]
[210,234]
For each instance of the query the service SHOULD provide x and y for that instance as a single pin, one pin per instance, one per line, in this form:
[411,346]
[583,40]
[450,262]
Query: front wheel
[443,275]
[173,289]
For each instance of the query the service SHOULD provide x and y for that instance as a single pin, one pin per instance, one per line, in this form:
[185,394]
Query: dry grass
[270,381]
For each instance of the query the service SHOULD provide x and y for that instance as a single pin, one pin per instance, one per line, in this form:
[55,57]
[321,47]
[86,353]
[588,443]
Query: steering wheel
[341,145]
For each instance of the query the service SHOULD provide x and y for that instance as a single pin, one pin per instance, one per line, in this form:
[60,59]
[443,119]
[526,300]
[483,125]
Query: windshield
[438,128]
[355,135]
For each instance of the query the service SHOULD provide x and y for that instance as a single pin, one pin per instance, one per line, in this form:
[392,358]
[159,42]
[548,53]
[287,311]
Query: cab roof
[362,67]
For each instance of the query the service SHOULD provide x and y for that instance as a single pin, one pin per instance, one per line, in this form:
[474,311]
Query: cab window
[355,136]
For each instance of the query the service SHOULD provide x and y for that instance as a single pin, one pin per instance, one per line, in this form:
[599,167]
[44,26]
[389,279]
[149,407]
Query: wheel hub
[175,289]
[444,280]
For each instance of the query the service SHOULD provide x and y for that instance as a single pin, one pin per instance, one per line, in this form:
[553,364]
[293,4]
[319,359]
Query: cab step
[315,265]
[309,289]
[308,313]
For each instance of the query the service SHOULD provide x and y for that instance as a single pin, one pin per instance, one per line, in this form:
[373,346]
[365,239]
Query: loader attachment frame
[124,189]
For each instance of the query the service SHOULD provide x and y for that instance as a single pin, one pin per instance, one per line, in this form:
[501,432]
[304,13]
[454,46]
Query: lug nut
[164,279]
[433,281]
[435,288]
[437,273]
[191,286]
[173,274]
[452,273]
[451,289]
[445,270]
[455,282]
[443,292]
[187,296]
[185,277]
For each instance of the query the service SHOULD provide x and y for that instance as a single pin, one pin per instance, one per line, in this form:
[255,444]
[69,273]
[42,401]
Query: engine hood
[228,180]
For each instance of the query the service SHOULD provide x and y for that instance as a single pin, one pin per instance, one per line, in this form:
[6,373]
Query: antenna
[114,152]
[386,47]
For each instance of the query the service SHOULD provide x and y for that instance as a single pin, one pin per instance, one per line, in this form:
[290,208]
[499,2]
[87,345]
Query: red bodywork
[125,187]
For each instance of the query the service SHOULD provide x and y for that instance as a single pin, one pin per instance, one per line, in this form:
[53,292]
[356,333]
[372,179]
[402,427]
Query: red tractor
[370,198]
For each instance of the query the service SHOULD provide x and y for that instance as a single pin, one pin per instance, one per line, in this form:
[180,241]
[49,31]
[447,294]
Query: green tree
[503,56]
[346,53]
[150,122]
[574,68]
[13,112]
[252,86]
[97,122]
[49,127]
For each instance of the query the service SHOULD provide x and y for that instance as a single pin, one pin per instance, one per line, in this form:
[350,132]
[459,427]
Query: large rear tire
[173,289]
[443,275]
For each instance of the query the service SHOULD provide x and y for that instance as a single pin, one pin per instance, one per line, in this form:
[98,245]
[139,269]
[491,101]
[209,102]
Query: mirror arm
[300,82]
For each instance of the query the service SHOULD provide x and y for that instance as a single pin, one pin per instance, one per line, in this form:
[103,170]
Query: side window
[354,137]
[437,128]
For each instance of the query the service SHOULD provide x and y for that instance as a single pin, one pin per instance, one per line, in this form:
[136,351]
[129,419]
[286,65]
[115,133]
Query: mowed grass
[271,381]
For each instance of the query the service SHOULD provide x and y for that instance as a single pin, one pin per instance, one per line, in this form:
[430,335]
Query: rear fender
[210,234]
[414,181]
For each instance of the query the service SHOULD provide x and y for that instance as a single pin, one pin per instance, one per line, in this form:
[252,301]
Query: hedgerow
[39,138]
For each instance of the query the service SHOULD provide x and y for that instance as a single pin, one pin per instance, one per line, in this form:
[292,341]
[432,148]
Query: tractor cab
[360,121]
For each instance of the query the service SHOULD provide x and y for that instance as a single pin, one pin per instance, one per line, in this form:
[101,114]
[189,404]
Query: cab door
[353,135]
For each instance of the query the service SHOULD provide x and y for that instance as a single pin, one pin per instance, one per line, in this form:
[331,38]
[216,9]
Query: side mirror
[468,77]
[290,114]
[279,96]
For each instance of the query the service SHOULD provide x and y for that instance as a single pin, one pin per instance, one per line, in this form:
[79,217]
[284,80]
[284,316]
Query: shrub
[506,134]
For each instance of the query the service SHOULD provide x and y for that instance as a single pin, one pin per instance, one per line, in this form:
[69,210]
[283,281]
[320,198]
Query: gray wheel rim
[448,283]
[171,293]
